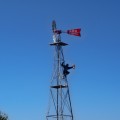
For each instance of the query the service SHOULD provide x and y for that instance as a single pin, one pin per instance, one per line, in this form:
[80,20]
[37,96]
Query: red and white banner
[75,32]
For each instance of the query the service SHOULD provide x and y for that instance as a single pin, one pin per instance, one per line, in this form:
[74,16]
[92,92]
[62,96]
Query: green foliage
[3,116]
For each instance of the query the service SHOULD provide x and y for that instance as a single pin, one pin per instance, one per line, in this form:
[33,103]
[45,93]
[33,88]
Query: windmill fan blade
[53,25]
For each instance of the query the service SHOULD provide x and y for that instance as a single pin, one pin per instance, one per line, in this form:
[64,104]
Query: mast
[60,107]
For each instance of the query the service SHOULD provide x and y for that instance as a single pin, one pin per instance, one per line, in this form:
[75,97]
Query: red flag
[75,32]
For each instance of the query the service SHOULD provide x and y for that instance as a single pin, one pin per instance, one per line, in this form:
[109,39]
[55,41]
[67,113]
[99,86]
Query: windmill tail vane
[75,32]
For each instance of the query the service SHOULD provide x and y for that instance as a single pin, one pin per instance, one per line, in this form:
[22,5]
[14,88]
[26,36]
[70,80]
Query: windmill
[60,107]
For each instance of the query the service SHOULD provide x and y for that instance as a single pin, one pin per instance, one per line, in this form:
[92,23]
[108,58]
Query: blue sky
[26,58]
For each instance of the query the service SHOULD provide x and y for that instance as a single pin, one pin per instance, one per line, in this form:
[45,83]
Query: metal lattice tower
[60,107]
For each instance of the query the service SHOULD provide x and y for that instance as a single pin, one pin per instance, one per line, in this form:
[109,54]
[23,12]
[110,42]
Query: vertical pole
[58,59]
[70,103]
